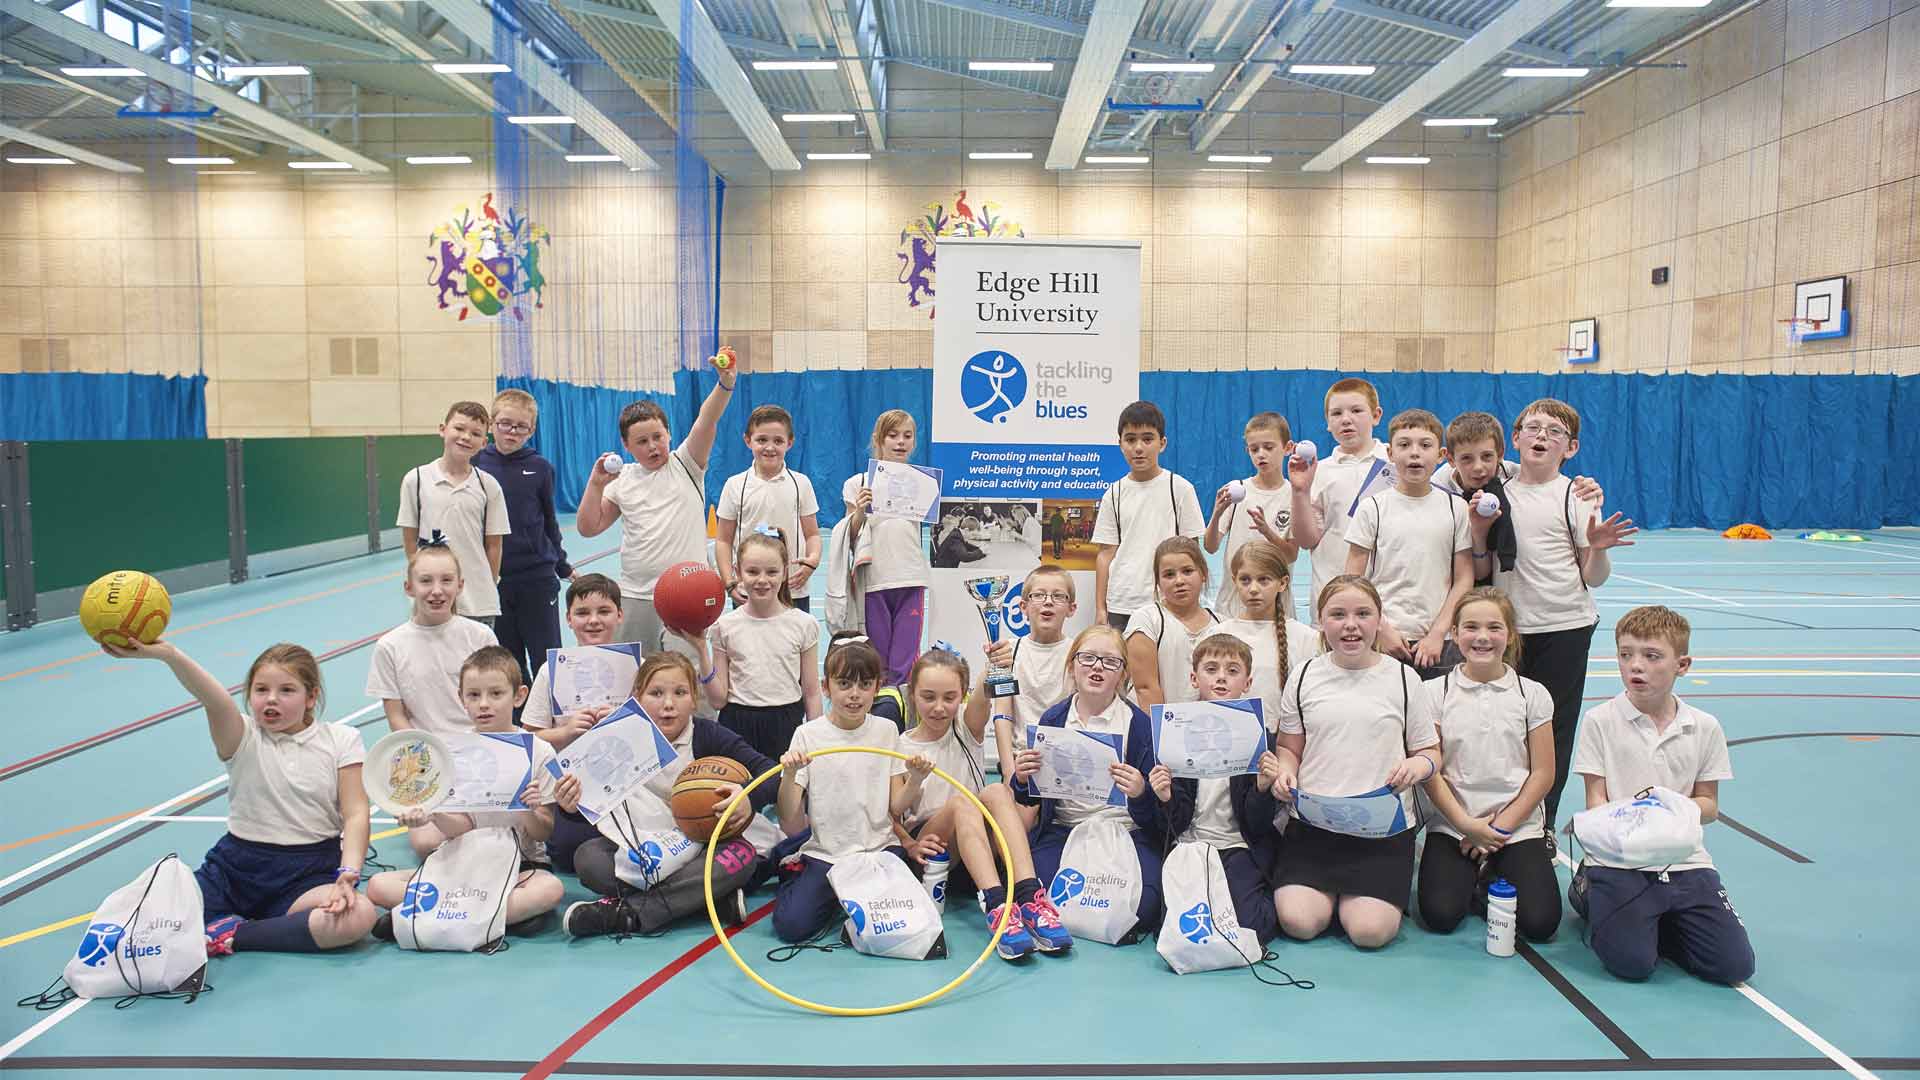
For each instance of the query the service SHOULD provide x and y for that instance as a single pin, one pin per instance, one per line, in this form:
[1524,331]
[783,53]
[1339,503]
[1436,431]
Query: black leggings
[1448,880]
[1558,661]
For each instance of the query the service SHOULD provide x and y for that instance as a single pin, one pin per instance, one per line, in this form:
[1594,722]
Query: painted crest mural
[488,264]
[917,240]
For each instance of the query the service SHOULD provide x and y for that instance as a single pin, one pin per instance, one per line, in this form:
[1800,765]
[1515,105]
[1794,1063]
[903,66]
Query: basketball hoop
[1798,329]
[1572,355]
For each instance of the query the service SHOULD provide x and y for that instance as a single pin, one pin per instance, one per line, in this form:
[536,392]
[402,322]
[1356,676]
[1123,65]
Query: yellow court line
[387,833]
[42,931]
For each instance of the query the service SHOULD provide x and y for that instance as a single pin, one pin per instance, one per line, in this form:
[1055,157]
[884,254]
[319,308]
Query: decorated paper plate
[408,770]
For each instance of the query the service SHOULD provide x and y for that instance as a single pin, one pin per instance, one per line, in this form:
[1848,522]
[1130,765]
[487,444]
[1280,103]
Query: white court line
[20,1041]
[137,819]
[1812,1037]
[1678,589]
[220,819]
[1826,546]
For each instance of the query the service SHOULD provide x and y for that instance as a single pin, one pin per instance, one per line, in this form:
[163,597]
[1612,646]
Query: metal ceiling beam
[856,32]
[291,31]
[646,21]
[477,24]
[1276,40]
[1109,34]
[52,22]
[970,76]
[1476,52]
[656,93]
[997,9]
[1366,9]
[723,73]
[217,136]
[396,37]
[65,149]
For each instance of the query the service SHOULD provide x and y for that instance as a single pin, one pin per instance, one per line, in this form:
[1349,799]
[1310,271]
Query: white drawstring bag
[149,937]
[1658,827]
[457,900]
[650,846]
[889,912]
[1201,931]
[1097,888]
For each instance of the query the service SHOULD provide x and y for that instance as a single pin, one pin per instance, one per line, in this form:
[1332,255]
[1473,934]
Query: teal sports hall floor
[1809,653]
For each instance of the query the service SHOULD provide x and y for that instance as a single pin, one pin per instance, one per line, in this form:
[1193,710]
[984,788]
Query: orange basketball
[694,804]
[689,597]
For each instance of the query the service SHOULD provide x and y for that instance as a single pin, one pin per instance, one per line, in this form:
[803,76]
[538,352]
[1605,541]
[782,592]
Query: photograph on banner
[902,490]
[1067,525]
[490,770]
[987,534]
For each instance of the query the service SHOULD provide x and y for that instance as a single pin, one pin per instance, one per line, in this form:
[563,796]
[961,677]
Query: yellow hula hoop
[713,914]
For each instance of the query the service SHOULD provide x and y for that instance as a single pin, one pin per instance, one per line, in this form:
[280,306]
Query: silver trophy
[987,593]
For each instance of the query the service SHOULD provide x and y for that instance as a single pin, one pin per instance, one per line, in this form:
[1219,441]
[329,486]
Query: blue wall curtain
[80,405]
[1672,451]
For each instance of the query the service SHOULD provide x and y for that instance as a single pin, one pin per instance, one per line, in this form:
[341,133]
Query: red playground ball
[689,597]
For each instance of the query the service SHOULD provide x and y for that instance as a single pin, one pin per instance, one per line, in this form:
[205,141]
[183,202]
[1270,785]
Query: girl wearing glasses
[1096,668]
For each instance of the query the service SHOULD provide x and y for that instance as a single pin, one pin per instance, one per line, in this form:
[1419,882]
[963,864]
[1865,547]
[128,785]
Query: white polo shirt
[285,789]
[1303,644]
[1213,822]
[1336,483]
[419,666]
[764,655]
[958,754]
[1134,516]
[1483,740]
[1413,540]
[1174,647]
[1041,669]
[1545,584]
[1277,505]
[848,794]
[892,548]
[1359,724]
[1620,744]
[752,500]
[1115,719]
[663,520]
[465,513]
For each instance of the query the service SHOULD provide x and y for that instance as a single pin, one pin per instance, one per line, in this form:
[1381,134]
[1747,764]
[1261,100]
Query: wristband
[728,387]
[344,871]
[1498,829]
[1481,554]
[708,679]
[1431,769]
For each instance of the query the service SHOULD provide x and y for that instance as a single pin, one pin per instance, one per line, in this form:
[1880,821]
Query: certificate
[490,770]
[1209,739]
[903,491]
[613,757]
[1075,765]
[591,676]
[1374,814]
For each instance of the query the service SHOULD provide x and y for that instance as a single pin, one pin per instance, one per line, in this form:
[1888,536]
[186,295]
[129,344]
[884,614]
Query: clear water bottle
[1502,911]
[934,877]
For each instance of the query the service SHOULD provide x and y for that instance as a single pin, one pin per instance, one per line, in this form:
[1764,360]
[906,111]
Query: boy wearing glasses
[532,561]
[1038,660]
[1560,556]
[449,500]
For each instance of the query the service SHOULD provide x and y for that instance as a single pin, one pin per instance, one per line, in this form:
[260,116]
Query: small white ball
[1487,505]
[1236,490]
[610,462]
[1305,452]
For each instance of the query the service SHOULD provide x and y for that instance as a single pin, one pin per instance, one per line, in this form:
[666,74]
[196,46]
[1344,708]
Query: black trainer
[595,918]
[383,926]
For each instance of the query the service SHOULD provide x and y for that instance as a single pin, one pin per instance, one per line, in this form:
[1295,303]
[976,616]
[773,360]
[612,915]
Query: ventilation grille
[46,354]
[354,356]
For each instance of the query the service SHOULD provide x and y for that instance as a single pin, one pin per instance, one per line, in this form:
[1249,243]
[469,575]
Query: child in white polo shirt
[769,493]
[1137,511]
[450,499]
[1353,721]
[1326,491]
[1264,507]
[1641,738]
[1561,556]
[416,666]
[1038,661]
[1411,542]
[282,878]
[1496,735]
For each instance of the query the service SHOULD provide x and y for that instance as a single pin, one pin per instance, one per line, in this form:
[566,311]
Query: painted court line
[561,1054]
[1811,1036]
[19,1042]
[43,931]
[1675,588]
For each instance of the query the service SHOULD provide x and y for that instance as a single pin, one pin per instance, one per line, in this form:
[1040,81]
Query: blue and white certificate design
[613,757]
[1373,814]
[1209,739]
[903,491]
[591,676]
[490,770]
[1076,765]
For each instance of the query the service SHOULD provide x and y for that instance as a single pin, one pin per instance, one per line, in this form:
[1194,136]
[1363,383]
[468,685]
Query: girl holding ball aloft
[284,877]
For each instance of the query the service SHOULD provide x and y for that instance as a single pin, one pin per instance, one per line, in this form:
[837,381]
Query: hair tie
[437,540]
[849,640]
[945,646]
[771,530]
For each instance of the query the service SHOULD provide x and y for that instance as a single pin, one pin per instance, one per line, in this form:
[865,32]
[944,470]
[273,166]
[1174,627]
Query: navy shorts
[261,881]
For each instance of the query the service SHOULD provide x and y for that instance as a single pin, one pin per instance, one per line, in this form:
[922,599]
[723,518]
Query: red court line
[7,772]
[561,1054]
[1864,697]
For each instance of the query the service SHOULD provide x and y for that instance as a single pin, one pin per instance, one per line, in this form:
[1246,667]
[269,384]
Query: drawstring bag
[1658,827]
[650,846]
[1201,931]
[457,900]
[889,913]
[1097,888]
[148,938]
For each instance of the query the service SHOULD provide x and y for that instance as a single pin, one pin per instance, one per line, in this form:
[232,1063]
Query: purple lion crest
[918,239]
